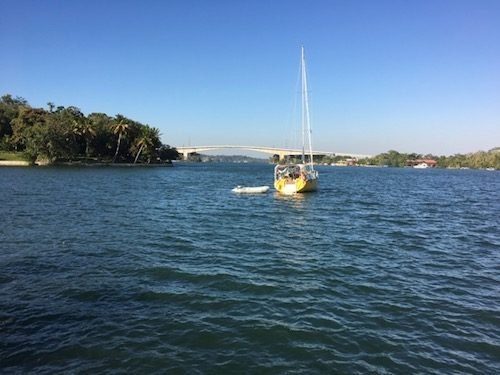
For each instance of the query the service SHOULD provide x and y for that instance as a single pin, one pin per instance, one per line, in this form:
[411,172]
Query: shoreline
[14,163]
[20,163]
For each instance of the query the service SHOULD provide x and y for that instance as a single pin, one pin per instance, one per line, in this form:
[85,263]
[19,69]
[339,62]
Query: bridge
[281,152]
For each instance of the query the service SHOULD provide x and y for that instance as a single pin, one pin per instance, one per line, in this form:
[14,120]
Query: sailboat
[299,178]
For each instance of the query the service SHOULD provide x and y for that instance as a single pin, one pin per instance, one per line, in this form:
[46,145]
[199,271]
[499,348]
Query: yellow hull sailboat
[295,178]
[302,177]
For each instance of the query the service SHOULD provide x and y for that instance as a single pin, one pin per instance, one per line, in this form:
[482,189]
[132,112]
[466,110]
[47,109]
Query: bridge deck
[282,152]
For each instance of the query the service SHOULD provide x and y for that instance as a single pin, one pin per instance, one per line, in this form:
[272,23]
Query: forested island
[65,134]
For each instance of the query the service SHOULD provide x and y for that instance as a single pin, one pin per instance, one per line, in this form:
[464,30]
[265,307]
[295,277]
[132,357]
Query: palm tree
[121,129]
[86,130]
[146,140]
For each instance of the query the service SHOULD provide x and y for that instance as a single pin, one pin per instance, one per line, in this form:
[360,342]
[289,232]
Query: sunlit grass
[13,156]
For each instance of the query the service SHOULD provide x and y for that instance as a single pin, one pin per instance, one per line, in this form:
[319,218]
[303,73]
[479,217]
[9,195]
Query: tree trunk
[87,145]
[117,147]
[138,153]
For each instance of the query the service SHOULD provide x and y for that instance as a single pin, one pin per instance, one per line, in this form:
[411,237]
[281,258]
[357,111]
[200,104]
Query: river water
[164,270]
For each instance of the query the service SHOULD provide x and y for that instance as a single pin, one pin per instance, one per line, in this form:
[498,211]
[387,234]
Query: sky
[413,76]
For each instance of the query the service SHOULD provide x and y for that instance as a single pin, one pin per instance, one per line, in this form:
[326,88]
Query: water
[164,270]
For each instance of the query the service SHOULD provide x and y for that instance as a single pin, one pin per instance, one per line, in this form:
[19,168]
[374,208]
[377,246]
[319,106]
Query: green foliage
[65,133]
[391,159]
[147,144]
[10,155]
[477,160]
[167,153]
[333,159]
[481,159]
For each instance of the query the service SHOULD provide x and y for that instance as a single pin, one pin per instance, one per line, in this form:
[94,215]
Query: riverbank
[20,163]
[14,163]
[112,165]
[18,159]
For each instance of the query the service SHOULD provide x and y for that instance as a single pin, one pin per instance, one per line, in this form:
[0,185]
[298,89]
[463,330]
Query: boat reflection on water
[296,200]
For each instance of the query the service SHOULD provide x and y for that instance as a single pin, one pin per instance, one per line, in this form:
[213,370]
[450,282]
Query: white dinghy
[250,189]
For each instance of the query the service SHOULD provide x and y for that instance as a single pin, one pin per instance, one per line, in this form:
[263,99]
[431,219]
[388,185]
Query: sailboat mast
[306,123]
[303,81]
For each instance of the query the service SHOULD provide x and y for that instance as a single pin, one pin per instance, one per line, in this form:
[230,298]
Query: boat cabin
[293,171]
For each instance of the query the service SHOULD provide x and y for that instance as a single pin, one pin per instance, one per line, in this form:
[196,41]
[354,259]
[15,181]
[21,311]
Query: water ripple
[382,271]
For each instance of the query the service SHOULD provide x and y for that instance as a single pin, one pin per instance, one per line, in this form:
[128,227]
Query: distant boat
[250,189]
[421,165]
[299,178]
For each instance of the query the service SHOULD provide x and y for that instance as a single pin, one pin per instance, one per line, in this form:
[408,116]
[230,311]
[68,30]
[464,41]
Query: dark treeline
[66,134]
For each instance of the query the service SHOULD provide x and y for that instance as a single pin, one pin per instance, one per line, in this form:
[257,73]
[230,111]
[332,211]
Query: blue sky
[414,76]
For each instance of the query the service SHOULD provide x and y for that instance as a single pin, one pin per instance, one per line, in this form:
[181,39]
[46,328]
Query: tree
[144,141]
[103,143]
[64,134]
[87,132]
[59,132]
[121,128]
[168,153]
[149,138]
[30,133]
[9,111]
